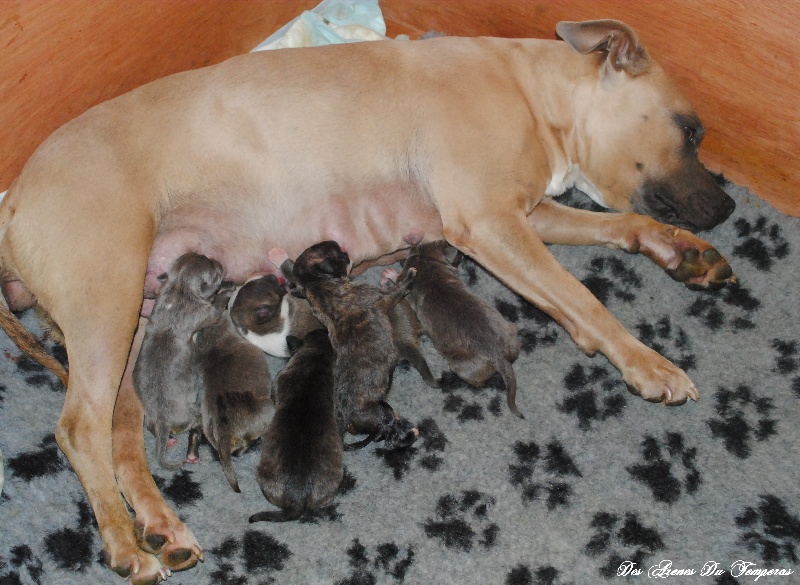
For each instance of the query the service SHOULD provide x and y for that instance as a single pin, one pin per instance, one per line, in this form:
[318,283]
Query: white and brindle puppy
[378,146]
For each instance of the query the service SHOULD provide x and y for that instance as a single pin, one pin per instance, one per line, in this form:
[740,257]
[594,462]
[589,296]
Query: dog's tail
[506,371]
[224,452]
[286,515]
[28,343]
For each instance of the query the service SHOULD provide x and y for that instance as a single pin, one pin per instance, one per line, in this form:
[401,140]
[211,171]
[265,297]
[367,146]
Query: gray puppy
[302,454]
[163,376]
[356,315]
[236,388]
[265,315]
[471,335]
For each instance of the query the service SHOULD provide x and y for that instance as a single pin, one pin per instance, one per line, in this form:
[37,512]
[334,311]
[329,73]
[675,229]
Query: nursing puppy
[164,376]
[265,315]
[356,315]
[471,335]
[237,390]
[301,453]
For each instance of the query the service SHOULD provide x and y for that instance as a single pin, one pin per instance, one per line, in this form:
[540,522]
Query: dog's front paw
[128,560]
[656,379]
[170,540]
[686,258]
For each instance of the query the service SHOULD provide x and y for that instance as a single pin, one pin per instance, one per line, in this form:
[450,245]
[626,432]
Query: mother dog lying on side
[378,146]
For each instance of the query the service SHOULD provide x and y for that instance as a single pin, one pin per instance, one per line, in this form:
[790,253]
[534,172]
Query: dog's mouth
[694,210]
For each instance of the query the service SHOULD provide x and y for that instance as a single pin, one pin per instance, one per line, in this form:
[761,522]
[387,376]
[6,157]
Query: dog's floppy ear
[615,38]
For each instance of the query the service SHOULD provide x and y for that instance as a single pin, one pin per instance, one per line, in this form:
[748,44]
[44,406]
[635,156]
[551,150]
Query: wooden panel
[736,60]
[60,58]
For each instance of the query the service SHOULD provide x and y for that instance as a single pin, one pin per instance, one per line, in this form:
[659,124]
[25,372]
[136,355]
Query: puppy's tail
[506,371]
[28,343]
[224,452]
[278,515]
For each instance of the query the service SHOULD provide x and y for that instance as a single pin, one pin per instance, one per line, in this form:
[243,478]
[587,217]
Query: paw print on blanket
[462,521]
[526,474]
[761,243]
[609,277]
[621,541]
[731,308]
[255,554]
[180,489]
[659,472]
[47,460]
[594,395]
[787,362]
[390,560]
[75,549]
[671,342]
[743,414]
[22,562]
[490,397]
[544,575]
[431,444]
[771,530]
[535,327]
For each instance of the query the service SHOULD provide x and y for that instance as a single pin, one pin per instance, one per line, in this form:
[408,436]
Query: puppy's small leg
[193,451]
[158,529]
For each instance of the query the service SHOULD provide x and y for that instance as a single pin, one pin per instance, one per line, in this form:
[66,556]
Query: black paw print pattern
[74,548]
[544,575]
[621,541]
[47,460]
[743,415]
[431,443]
[390,560]
[671,342]
[556,463]
[609,278]
[761,243]
[594,395]
[21,562]
[180,489]
[659,472]
[737,316]
[771,530]
[787,362]
[469,403]
[537,327]
[255,554]
[462,521]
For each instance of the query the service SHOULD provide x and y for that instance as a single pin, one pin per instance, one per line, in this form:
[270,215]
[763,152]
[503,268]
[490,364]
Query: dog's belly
[239,232]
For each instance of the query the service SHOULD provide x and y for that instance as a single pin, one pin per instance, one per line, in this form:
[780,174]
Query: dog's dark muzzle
[692,199]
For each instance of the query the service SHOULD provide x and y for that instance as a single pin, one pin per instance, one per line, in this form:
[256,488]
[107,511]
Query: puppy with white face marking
[237,390]
[302,454]
[356,315]
[164,376]
[265,315]
[471,335]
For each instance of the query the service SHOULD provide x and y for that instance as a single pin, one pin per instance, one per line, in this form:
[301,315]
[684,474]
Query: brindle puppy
[301,453]
[237,390]
[356,315]
[265,315]
[164,378]
[471,335]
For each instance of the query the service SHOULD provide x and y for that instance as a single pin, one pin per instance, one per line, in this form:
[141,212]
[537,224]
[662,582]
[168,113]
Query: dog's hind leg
[158,529]
[684,257]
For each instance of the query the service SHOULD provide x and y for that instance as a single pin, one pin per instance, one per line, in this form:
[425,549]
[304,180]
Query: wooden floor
[737,61]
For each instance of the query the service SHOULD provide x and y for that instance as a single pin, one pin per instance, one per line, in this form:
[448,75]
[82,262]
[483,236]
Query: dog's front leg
[507,245]
[158,529]
[684,256]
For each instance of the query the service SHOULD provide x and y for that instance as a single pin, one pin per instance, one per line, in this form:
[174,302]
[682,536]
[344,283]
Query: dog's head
[257,305]
[195,275]
[637,134]
[323,261]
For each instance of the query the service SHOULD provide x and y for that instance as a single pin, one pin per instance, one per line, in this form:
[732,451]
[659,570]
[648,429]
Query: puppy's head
[323,261]
[195,275]
[257,305]
[440,250]
[637,134]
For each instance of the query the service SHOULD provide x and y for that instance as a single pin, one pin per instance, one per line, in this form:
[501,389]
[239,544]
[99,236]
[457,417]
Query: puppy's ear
[293,343]
[452,255]
[612,37]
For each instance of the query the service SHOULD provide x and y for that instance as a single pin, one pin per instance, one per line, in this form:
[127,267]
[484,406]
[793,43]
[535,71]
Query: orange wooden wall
[737,61]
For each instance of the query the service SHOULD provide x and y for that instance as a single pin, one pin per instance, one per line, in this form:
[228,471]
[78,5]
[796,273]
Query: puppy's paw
[656,379]
[401,435]
[389,274]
